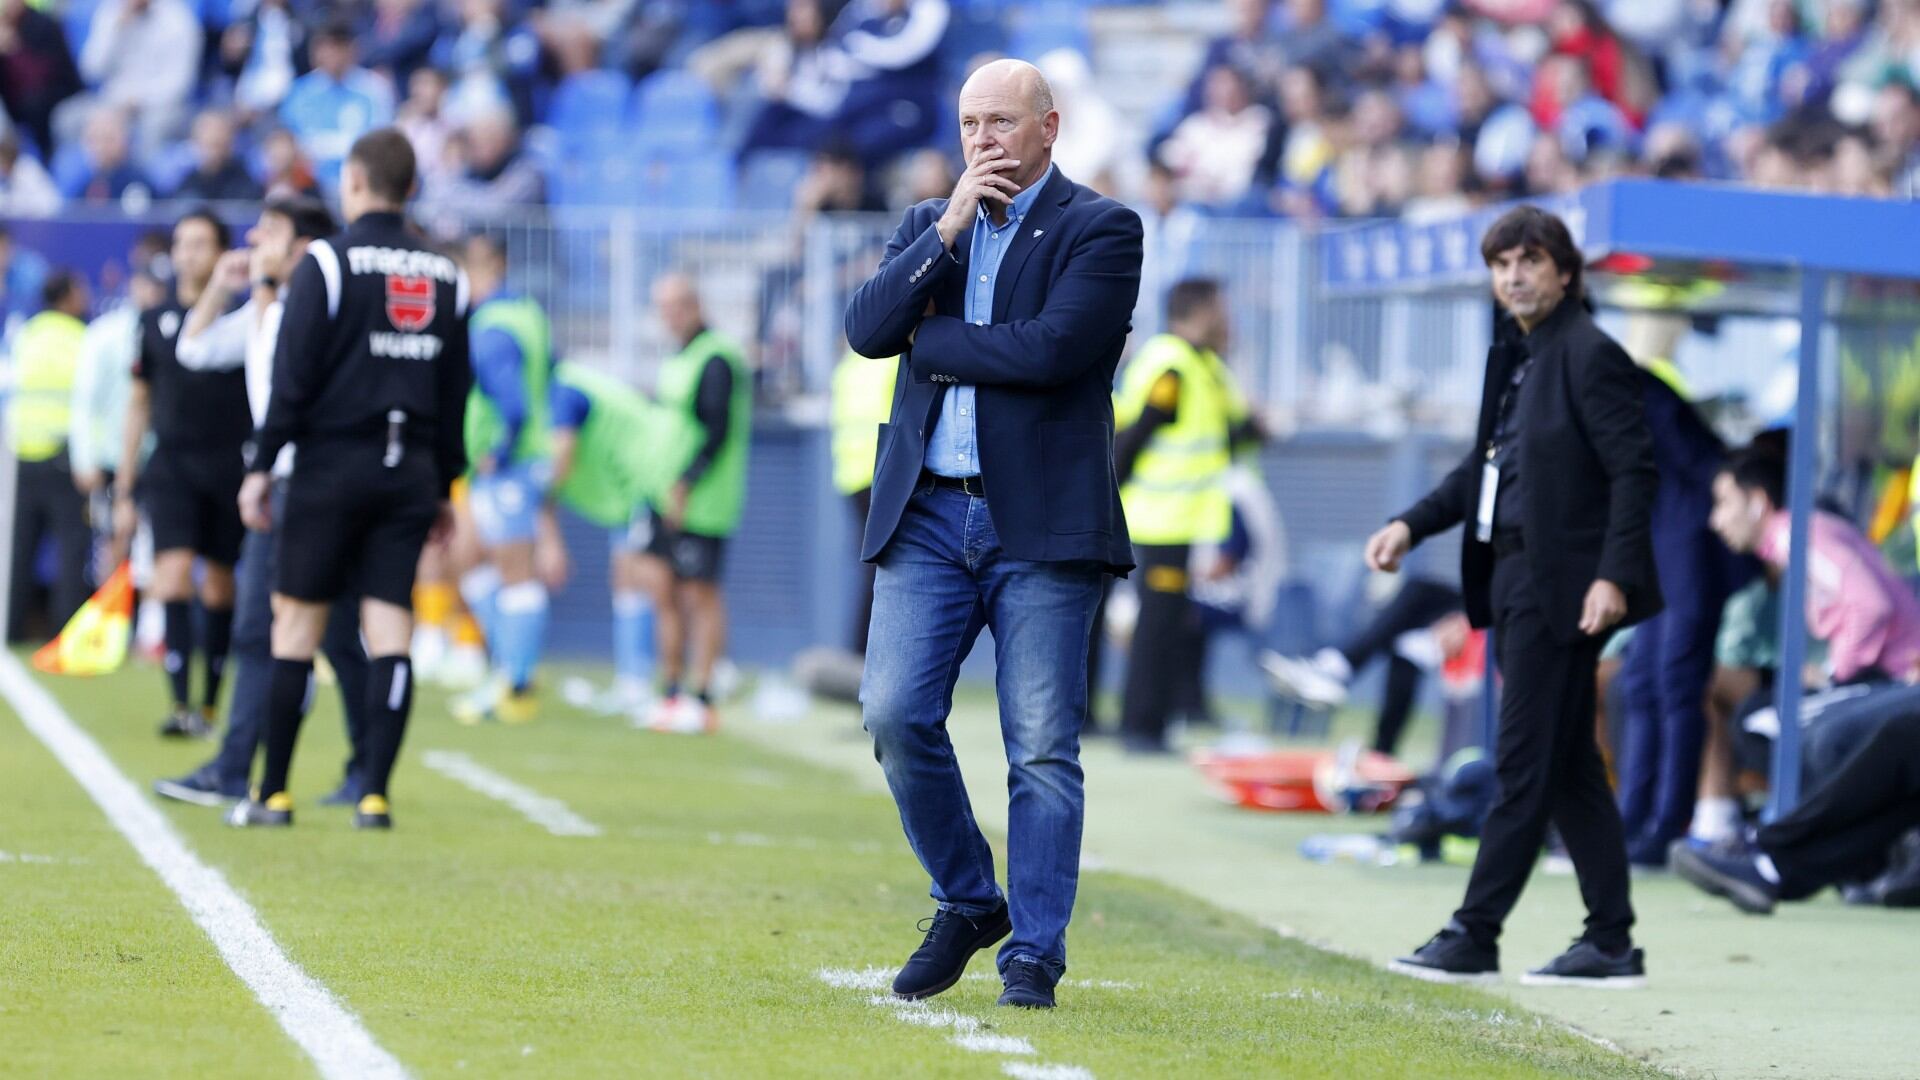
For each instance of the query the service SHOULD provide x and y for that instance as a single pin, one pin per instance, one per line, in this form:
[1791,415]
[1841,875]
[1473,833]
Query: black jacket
[1587,481]
[1042,370]
[375,321]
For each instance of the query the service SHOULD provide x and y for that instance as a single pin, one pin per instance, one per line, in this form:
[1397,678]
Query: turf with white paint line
[967,1030]
[333,1037]
[543,810]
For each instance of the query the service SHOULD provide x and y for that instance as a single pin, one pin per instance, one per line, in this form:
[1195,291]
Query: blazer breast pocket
[1076,468]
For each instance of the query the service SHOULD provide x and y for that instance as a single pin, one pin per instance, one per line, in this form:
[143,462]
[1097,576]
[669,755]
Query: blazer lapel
[1046,209]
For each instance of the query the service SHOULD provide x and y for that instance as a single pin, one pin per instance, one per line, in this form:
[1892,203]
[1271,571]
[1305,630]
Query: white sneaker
[629,698]
[480,704]
[662,715]
[464,668]
[1306,681]
[683,715]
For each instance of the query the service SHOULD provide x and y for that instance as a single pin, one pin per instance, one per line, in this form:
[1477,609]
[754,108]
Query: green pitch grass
[687,940]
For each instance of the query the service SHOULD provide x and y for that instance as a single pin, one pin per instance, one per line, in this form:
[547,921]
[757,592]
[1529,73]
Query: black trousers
[1844,827]
[862,503]
[1419,604]
[1166,644]
[1549,770]
[46,505]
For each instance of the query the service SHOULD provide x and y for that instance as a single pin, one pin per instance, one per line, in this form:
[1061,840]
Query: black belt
[1508,543]
[971,485]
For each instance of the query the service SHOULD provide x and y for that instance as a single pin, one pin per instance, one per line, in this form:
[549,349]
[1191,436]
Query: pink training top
[1866,615]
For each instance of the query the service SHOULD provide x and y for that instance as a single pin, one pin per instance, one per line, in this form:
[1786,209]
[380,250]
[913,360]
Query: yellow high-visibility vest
[1175,494]
[862,401]
[46,360]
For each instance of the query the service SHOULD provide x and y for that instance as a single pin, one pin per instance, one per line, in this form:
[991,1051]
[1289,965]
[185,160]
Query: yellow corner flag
[95,639]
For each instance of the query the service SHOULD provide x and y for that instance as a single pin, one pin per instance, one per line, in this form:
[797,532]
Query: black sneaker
[1450,956]
[1586,965]
[201,788]
[275,813]
[1028,986]
[186,724]
[1725,870]
[951,941]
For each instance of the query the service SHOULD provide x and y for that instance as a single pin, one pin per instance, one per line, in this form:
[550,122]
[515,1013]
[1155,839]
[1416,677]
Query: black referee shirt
[190,411]
[375,322]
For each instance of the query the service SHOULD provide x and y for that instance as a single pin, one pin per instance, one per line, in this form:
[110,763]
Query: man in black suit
[995,505]
[1557,495]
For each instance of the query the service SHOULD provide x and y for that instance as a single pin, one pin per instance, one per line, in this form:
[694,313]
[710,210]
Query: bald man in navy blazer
[995,506]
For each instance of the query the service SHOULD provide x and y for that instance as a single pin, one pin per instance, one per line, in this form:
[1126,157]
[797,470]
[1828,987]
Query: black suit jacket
[1042,370]
[1587,477]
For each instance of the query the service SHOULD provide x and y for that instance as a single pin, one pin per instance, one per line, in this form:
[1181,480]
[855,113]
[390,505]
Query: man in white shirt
[101,388]
[245,336]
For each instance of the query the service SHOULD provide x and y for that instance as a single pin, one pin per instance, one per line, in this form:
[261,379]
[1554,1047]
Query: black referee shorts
[191,499]
[352,525]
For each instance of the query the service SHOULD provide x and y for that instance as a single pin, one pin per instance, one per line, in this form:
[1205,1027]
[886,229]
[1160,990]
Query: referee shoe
[372,813]
[275,813]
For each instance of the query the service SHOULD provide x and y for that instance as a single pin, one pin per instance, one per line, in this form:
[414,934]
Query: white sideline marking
[967,1033]
[1024,1070]
[340,1047]
[543,810]
[872,978]
[38,860]
[993,1044]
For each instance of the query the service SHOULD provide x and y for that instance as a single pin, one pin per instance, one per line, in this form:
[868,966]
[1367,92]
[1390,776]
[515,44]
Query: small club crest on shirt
[409,302]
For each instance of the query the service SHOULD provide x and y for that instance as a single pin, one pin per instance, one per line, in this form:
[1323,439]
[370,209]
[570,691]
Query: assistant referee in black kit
[1557,496]
[370,378]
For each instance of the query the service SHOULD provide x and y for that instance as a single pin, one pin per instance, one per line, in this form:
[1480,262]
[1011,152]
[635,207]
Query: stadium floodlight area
[1828,261]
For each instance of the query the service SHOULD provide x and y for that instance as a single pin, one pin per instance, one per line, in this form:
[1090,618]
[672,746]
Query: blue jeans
[253,662]
[941,579]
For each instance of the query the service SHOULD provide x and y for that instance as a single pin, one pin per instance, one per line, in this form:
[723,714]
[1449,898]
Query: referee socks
[389,700]
[179,656]
[219,642]
[288,695]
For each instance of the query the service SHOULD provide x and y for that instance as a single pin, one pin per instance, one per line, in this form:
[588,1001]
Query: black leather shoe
[951,941]
[1450,956]
[1585,964]
[1028,986]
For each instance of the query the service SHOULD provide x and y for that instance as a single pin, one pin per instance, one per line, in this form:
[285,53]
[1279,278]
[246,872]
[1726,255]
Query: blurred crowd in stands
[1304,108]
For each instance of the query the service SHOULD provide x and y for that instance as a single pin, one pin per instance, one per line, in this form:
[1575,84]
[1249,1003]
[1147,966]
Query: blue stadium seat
[768,178]
[1053,24]
[590,109]
[679,180]
[674,109]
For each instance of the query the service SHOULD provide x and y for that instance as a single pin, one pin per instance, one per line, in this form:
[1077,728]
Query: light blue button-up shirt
[953,449]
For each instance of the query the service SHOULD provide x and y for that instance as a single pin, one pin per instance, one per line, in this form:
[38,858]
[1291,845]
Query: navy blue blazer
[1043,370]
